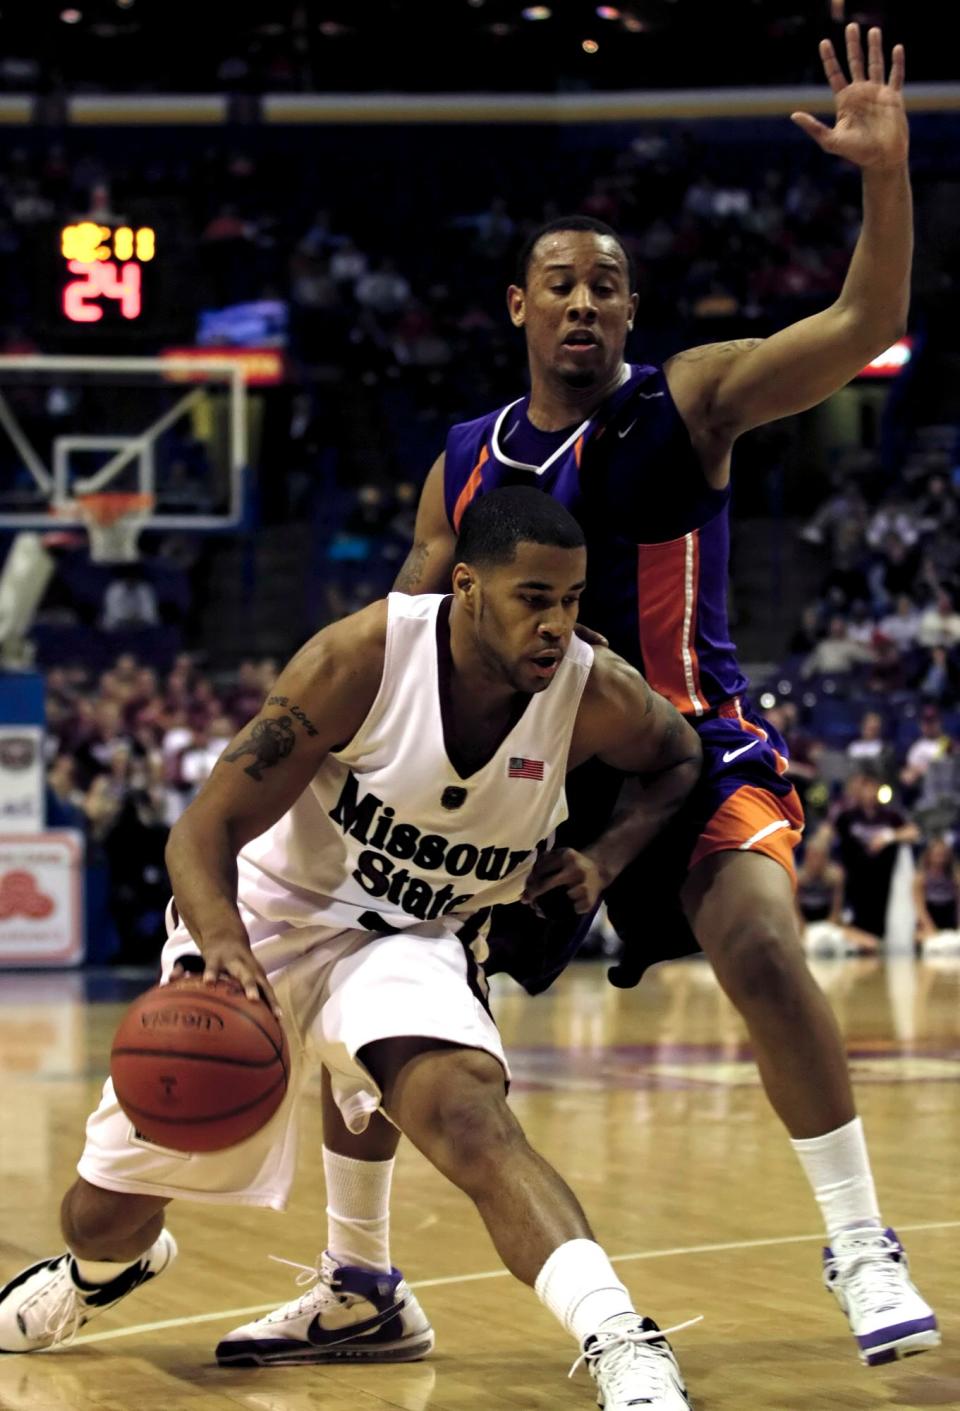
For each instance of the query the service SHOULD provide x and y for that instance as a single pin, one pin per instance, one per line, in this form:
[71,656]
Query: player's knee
[762,963]
[471,1131]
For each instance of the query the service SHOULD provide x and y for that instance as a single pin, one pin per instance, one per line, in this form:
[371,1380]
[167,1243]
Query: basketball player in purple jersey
[641,455]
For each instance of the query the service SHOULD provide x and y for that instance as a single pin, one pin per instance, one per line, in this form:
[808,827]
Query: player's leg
[451,1103]
[116,1242]
[741,909]
[358,1173]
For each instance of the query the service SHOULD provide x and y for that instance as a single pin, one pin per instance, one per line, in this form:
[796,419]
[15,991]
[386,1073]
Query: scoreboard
[102,265]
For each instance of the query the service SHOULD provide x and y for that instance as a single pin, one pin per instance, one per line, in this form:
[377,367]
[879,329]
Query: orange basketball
[199,1067]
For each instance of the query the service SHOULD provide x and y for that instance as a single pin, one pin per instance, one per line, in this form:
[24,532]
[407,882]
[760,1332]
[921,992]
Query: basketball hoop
[113,520]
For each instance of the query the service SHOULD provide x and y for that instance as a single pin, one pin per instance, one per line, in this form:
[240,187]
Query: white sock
[578,1285]
[838,1169]
[358,1211]
[96,1272]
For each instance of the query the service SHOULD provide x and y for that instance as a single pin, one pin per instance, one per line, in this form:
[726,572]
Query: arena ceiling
[305,46]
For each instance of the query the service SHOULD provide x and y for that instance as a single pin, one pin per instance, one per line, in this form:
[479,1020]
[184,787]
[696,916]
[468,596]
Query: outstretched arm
[723,389]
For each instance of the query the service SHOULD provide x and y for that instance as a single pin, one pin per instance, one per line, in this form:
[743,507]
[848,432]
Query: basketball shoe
[349,1315]
[47,1304]
[632,1364]
[866,1270]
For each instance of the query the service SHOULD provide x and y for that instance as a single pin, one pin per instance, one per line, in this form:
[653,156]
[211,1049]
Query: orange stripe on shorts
[754,820]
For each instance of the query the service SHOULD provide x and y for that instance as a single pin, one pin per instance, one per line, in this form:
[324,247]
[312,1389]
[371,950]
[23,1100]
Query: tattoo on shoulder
[411,574]
[269,742]
[718,350]
[295,710]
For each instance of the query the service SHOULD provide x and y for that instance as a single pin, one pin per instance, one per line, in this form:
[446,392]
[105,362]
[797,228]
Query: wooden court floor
[646,1100]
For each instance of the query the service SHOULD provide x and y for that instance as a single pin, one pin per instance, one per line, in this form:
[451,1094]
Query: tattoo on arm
[295,711]
[269,742]
[714,350]
[411,574]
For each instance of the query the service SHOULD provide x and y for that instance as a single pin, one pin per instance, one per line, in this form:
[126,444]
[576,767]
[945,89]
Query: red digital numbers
[103,280]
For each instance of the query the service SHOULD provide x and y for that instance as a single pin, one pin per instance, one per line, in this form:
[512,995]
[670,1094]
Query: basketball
[199,1067]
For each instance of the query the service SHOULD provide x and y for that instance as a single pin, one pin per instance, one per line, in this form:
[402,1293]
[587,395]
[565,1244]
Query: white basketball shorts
[338,990]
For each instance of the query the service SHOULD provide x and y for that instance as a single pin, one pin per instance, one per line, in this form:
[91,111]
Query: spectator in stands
[937,507]
[860,624]
[894,518]
[384,291]
[836,654]
[348,264]
[869,834]
[130,601]
[938,798]
[845,507]
[820,891]
[902,626]
[848,579]
[936,898]
[872,749]
[208,740]
[809,633]
[932,744]
[246,697]
[940,680]
[940,623]
[108,737]
[893,574]
[64,796]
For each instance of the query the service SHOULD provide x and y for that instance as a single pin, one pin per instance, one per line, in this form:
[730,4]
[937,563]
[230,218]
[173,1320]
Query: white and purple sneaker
[349,1315]
[867,1272]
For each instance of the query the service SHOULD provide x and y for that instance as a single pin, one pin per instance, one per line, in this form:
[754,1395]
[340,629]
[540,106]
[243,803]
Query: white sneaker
[632,1364]
[350,1315]
[867,1271]
[46,1305]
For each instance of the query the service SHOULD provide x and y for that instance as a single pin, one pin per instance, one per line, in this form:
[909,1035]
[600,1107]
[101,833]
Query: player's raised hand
[870,126]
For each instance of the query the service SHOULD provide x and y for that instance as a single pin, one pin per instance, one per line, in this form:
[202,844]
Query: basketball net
[113,520]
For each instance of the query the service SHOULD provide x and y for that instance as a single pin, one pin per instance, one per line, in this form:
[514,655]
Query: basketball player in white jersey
[405,776]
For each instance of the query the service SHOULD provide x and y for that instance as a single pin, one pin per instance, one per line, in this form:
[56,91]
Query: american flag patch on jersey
[524,768]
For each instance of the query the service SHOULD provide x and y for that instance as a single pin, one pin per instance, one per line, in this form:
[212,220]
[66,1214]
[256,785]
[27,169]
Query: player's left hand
[870,129]
[573,871]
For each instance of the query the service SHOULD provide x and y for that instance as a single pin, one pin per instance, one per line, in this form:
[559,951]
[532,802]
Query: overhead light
[589,46]
[634,24]
[71,16]
[608,12]
[125,4]
[537,12]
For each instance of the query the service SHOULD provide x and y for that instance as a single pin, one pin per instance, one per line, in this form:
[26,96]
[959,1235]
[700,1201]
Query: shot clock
[103,265]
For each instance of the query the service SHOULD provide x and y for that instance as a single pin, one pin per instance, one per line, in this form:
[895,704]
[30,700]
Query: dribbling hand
[232,957]
[870,127]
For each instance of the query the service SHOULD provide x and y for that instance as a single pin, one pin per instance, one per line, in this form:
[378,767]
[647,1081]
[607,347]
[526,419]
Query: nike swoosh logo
[732,754]
[649,396]
[319,1336]
[628,429]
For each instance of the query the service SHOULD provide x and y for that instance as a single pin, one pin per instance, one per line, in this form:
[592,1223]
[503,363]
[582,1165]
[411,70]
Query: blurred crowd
[868,701]
[128,750]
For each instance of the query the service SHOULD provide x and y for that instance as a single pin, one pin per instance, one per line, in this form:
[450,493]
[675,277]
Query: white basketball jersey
[388,831]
